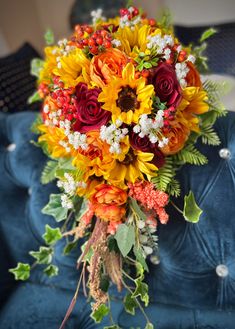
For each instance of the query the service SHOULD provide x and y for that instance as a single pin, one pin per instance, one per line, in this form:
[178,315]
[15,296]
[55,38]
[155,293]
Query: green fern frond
[173,188]
[165,175]
[209,136]
[189,154]
[48,174]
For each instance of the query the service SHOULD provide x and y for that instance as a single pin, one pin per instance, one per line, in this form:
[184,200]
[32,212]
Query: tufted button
[154,259]
[225,153]
[11,147]
[222,270]
[30,191]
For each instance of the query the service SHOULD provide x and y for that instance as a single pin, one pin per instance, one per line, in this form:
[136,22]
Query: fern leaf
[165,175]
[173,188]
[48,174]
[209,136]
[189,154]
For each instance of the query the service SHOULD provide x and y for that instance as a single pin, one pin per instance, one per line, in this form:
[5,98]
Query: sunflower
[52,138]
[135,165]
[127,98]
[194,103]
[48,65]
[73,68]
[133,40]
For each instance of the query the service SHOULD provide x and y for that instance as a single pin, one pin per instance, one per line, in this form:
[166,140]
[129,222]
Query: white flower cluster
[53,116]
[63,50]
[97,15]
[125,21]
[151,128]
[78,140]
[181,70]
[147,238]
[191,58]
[113,135]
[160,44]
[66,202]
[69,185]
[116,43]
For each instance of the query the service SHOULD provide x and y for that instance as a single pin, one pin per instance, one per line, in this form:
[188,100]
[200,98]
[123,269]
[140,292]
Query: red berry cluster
[64,99]
[130,14]
[94,42]
[43,90]
[169,115]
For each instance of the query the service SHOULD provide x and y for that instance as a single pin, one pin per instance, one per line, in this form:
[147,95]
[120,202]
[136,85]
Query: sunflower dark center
[129,158]
[127,99]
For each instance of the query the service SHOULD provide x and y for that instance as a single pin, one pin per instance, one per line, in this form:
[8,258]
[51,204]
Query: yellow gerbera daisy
[135,165]
[127,98]
[73,68]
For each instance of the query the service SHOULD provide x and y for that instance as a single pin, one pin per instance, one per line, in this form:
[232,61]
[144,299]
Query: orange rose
[108,202]
[177,136]
[106,65]
[193,76]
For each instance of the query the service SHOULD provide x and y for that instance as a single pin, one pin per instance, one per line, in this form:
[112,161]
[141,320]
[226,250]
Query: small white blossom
[181,70]
[113,135]
[97,15]
[116,42]
[191,58]
[66,202]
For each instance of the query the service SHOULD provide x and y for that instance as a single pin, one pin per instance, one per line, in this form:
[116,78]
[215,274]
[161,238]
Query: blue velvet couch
[193,286]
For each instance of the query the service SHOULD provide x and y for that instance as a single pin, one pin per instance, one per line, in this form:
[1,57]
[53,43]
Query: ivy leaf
[207,34]
[55,209]
[48,173]
[100,313]
[140,258]
[49,37]
[43,256]
[191,210]
[130,304]
[52,235]
[36,66]
[51,270]
[149,326]
[34,98]
[125,237]
[21,272]
[141,291]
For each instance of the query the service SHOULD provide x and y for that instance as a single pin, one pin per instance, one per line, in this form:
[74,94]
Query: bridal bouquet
[123,107]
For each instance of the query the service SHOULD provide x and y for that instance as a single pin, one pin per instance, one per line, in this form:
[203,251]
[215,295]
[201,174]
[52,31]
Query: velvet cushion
[185,289]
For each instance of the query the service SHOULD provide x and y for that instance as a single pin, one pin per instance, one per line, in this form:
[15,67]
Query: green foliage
[207,34]
[49,171]
[149,326]
[112,244]
[55,209]
[69,247]
[37,122]
[146,61]
[52,235]
[191,210]
[34,98]
[43,256]
[36,66]
[189,154]
[141,291]
[104,283]
[49,37]
[130,304]
[209,136]
[140,257]
[21,272]
[125,237]
[51,270]
[136,209]
[100,313]
[115,326]
[165,181]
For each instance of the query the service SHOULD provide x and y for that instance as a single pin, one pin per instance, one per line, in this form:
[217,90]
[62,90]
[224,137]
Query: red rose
[90,115]
[144,145]
[166,85]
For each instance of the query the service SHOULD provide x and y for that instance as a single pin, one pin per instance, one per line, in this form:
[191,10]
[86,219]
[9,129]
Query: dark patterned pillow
[16,82]
[221,47]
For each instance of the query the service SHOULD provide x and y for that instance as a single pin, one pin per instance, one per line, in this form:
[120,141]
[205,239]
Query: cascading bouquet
[123,107]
